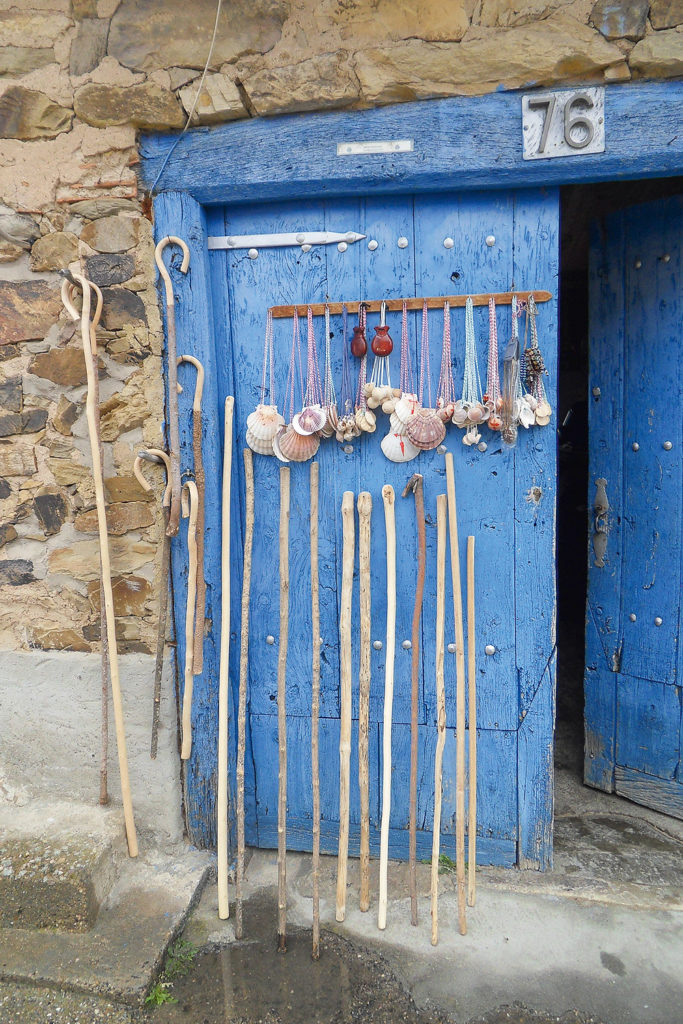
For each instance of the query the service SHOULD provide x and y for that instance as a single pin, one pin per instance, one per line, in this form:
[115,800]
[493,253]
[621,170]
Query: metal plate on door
[567,123]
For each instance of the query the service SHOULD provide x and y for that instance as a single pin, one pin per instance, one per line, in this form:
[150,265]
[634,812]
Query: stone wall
[79,79]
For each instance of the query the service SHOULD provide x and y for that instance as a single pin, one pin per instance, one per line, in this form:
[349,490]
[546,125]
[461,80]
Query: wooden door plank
[665,795]
[653,477]
[648,726]
[600,712]
[178,214]
[535,771]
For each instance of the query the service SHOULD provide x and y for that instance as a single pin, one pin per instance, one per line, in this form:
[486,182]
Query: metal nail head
[442,449]
[482,446]
[372,244]
[490,240]
[632,616]
[270,639]
[448,243]
[252,254]
[377,644]
[451,648]
[343,246]
[306,247]
[348,449]
[596,392]
[638,264]
[635,446]
[402,242]
[300,238]
[406,645]
[667,446]
[666,258]
[658,620]
[489,649]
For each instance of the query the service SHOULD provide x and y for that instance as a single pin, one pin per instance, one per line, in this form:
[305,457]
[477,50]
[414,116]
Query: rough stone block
[620,19]
[65,416]
[20,60]
[218,101]
[7,533]
[54,251]
[17,228]
[27,310]
[11,395]
[89,45]
[125,488]
[112,234]
[61,365]
[666,13]
[121,307]
[131,594]
[121,517]
[17,458]
[65,639]
[27,114]
[15,572]
[146,106]
[30,421]
[109,269]
[659,55]
[51,511]
[311,84]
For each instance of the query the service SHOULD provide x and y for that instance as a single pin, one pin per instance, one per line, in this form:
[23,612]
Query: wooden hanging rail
[396,305]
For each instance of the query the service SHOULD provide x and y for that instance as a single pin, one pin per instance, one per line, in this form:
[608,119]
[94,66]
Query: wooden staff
[282,714]
[315,705]
[415,484]
[173,427]
[390,522]
[364,521]
[189,502]
[345,715]
[472,702]
[89,350]
[223,671]
[440,705]
[200,609]
[157,455]
[459,698]
[244,674]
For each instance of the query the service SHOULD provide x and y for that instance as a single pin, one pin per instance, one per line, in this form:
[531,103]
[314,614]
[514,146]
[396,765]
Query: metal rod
[396,305]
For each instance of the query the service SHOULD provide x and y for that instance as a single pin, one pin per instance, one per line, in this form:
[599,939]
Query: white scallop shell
[262,446]
[265,422]
[406,407]
[398,448]
[310,420]
[396,425]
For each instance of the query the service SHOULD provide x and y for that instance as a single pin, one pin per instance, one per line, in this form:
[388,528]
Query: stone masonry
[79,80]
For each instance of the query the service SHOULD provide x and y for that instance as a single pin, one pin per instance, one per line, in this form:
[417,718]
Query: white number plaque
[563,123]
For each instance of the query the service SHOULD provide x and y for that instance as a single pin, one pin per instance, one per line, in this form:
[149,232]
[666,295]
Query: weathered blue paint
[514,534]
[469,143]
[633,665]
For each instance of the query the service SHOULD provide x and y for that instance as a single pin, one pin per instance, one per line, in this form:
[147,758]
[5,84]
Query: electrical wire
[196,99]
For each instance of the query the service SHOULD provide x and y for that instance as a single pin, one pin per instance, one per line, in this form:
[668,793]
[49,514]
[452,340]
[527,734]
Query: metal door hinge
[600,523]
[288,238]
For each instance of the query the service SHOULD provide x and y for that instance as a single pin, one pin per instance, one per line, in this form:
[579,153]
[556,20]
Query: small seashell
[340,436]
[543,410]
[471,436]
[262,446]
[389,405]
[295,447]
[373,403]
[495,422]
[368,388]
[406,407]
[426,429]
[526,416]
[459,414]
[475,413]
[396,425]
[265,422]
[542,421]
[396,392]
[398,448]
[445,412]
[332,417]
[310,420]
[531,401]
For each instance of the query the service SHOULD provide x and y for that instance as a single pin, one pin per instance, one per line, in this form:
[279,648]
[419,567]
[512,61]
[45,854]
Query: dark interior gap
[580,205]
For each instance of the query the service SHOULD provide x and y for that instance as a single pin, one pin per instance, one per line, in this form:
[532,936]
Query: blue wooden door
[505,498]
[633,654]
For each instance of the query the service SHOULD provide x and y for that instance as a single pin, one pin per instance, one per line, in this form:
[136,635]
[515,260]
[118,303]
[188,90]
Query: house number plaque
[563,123]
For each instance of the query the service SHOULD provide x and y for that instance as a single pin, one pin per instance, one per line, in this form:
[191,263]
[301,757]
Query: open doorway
[580,206]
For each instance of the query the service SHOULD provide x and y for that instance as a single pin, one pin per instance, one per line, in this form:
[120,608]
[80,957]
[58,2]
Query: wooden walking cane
[315,705]
[223,671]
[472,703]
[440,705]
[390,522]
[282,715]
[364,518]
[200,609]
[189,503]
[415,484]
[157,455]
[244,674]
[89,351]
[459,698]
[348,550]
[173,427]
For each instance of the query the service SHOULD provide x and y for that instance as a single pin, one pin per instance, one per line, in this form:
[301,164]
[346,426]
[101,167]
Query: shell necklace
[512,388]
[445,396]
[264,423]
[425,429]
[329,394]
[492,397]
[535,370]
[291,443]
[379,389]
[405,406]
[471,403]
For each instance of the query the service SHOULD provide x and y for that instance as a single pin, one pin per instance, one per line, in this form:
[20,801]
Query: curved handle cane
[155,455]
[168,284]
[200,609]
[189,508]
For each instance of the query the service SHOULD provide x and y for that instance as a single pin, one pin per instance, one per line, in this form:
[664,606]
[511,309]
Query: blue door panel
[633,656]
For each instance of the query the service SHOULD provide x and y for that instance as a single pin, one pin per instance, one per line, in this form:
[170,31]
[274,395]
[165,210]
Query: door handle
[600,523]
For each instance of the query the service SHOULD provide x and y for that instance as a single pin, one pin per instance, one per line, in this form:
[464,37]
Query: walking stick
[200,610]
[472,702]
[390,522]
[244,671]
[345,715]
[173,428]
[282,714]
[415,484]
[189,502]
[157,455]
[223,671]
[364,516]
[315,705]
[459,698]
[89,351]
[440,705]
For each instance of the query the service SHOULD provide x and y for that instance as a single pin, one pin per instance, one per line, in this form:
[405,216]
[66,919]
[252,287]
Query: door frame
[460,144]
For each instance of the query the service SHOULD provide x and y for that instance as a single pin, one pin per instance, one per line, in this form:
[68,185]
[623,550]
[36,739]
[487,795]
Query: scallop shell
[542,421]
[310,420]
[406,407]
[265,422]
[543,410]
[398,448]
[426,429]
[397,426]
[291,446]
[459,414]
[260,445]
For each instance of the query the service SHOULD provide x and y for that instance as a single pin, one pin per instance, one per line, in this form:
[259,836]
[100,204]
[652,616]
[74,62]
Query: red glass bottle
[359,345]
[382,345]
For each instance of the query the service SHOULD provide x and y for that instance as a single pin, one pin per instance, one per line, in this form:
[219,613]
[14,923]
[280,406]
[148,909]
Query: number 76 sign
[563,123]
